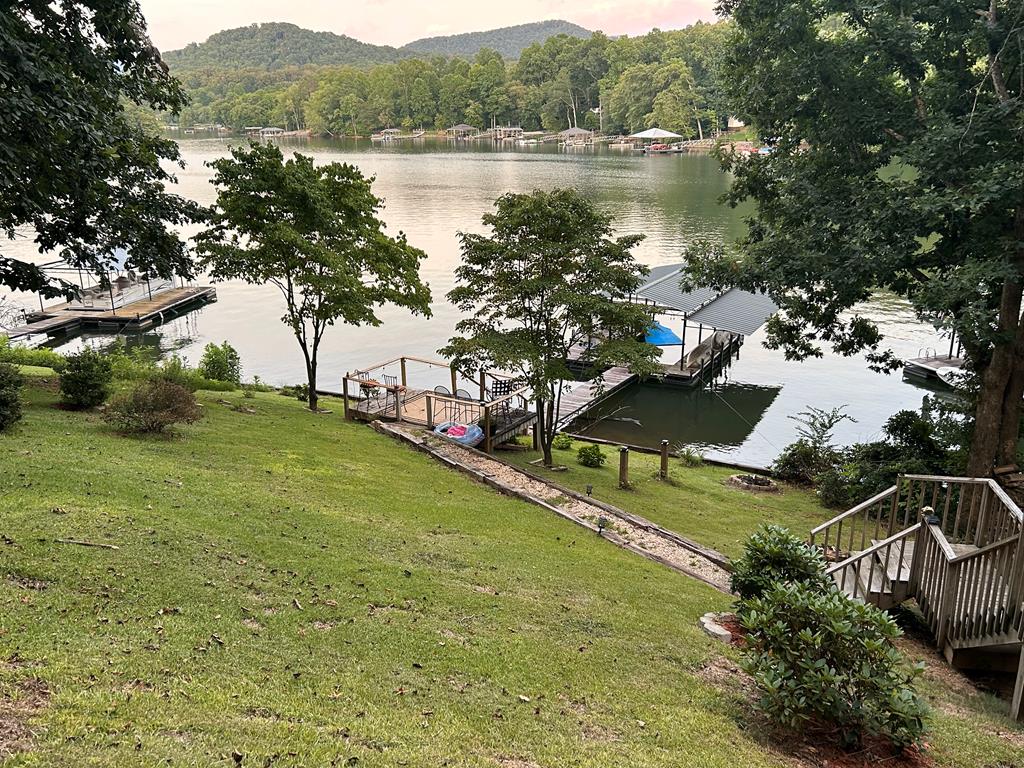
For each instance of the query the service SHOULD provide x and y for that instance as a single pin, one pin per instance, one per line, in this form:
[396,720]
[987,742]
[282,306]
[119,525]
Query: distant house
[271,131]
[508,133]
[733,123]
[462,131]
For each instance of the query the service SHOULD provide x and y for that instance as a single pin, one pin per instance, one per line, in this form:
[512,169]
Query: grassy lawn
[301,591]
[696,503]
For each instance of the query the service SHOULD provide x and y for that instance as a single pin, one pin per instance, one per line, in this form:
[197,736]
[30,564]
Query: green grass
[304,591]
[695,503]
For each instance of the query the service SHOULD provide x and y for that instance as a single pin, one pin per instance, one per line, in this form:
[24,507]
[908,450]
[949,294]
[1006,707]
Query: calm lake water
[433,190]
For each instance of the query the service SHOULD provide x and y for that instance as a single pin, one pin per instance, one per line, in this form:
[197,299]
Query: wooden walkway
[587,393]
[138,315]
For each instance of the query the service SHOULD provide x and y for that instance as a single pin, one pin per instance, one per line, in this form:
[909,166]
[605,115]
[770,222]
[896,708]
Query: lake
[433,190]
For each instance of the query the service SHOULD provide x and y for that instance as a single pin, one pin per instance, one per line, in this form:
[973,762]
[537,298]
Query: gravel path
[628,532]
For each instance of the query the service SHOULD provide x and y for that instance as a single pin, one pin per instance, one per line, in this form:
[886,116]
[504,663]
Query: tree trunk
[997,417]
[545,431]
[311,379]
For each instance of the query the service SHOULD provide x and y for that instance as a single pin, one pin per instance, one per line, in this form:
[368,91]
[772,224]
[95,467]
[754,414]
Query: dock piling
[624,467]
[664,460]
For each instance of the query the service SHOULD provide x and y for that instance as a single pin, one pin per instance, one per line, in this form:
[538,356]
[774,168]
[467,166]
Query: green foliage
[299,391]
[773,555]
[912,183]
[175,370]
[221,363]
[10,395]
[38,356]
[689,457]
[562,442]
[78,172]
[591,456]
[314,233]
[813,452]
[151,406]
[85,379]
[818,655]
[542,282]
[670,78]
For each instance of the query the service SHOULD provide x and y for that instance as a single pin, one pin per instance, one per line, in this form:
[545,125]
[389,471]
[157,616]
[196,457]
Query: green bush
[221,363]
[689,457]
[590,456]
[299,391]
[152,406]
[818,655]
[40,356]
[85,380]
[773,555]
[176,371]
[801,462]
[10,396]
[562,442]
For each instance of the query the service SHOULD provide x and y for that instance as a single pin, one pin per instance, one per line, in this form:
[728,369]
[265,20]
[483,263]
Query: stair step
[897,569]
[868,571]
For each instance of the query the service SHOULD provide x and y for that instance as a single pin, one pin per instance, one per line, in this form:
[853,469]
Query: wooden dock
[588,393]
[138,315]
[927,367]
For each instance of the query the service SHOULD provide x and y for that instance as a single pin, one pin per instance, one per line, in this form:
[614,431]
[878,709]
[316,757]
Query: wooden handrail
[871,550]
[855,510]
[940,539]
[985,550]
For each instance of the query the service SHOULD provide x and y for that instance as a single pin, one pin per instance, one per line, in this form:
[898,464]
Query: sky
[175,23]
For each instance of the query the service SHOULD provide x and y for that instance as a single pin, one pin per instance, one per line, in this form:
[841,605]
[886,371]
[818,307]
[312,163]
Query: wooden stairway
[954,545]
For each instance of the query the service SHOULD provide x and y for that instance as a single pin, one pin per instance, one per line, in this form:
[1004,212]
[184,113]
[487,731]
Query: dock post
[455,378]
[487,425]
[430,412]
[402,364]
[398,404]
[344,396]
[483,384]
[623,467]
[664,460]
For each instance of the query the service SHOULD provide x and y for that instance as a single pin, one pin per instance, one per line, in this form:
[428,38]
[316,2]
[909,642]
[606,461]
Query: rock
[709,623]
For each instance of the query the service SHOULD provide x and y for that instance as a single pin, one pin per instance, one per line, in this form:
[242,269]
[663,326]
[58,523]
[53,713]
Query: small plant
[300,392]
[38,356]
[773,555]
[689,456]
[591,456]
[152,406]
[10,396]
[85,380]
[248,391]
[221,363]
[562,442]
[818,655]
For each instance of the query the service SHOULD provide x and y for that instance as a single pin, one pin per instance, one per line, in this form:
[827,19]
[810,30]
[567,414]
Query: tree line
[669,79]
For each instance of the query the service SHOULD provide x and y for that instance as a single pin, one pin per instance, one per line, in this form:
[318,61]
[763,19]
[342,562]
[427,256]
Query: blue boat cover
[660,336]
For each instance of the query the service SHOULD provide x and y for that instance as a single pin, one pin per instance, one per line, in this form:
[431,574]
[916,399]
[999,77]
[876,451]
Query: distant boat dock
[139,315]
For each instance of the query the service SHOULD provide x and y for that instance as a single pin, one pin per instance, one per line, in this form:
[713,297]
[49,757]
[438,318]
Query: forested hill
[276,45]
[508,41]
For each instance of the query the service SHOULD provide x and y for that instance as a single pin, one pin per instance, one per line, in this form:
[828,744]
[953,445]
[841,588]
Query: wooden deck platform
[138,315]
[587,393]
[927,367]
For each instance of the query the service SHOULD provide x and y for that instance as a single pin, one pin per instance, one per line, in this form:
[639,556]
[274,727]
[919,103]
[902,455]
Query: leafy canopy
[75,169]
[546,280]
[314,233]
[898,140]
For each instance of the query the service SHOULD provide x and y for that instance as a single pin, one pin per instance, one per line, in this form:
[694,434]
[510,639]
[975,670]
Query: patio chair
[391,393]
[503,388]
[446,405]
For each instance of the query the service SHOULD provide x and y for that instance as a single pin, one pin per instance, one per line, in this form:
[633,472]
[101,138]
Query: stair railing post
[917,559]
[948,605]
[430,412]
[980,536]
[344,397]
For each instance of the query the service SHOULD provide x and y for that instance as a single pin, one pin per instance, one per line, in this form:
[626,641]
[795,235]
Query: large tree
[897,164]
[76,168]
[548,278]
[313,232]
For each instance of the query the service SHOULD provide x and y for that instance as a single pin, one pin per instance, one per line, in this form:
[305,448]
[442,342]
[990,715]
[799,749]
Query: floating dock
[138,315]
[930,365]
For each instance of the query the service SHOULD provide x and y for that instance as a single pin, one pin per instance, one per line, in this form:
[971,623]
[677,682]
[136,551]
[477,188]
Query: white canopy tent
[655,133]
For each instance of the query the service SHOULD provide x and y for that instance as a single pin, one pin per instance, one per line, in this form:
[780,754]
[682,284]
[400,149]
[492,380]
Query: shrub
[689,457]
[39,356]
[801,462]
[562,442]
[818,655]
[85,380]
[10,396]
[773,555]
[221,363]
[176,371]
[300,392]
[590,456]
[152,406]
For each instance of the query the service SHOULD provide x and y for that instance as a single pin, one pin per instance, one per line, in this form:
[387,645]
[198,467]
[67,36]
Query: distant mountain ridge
[508,41]
[274,45]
